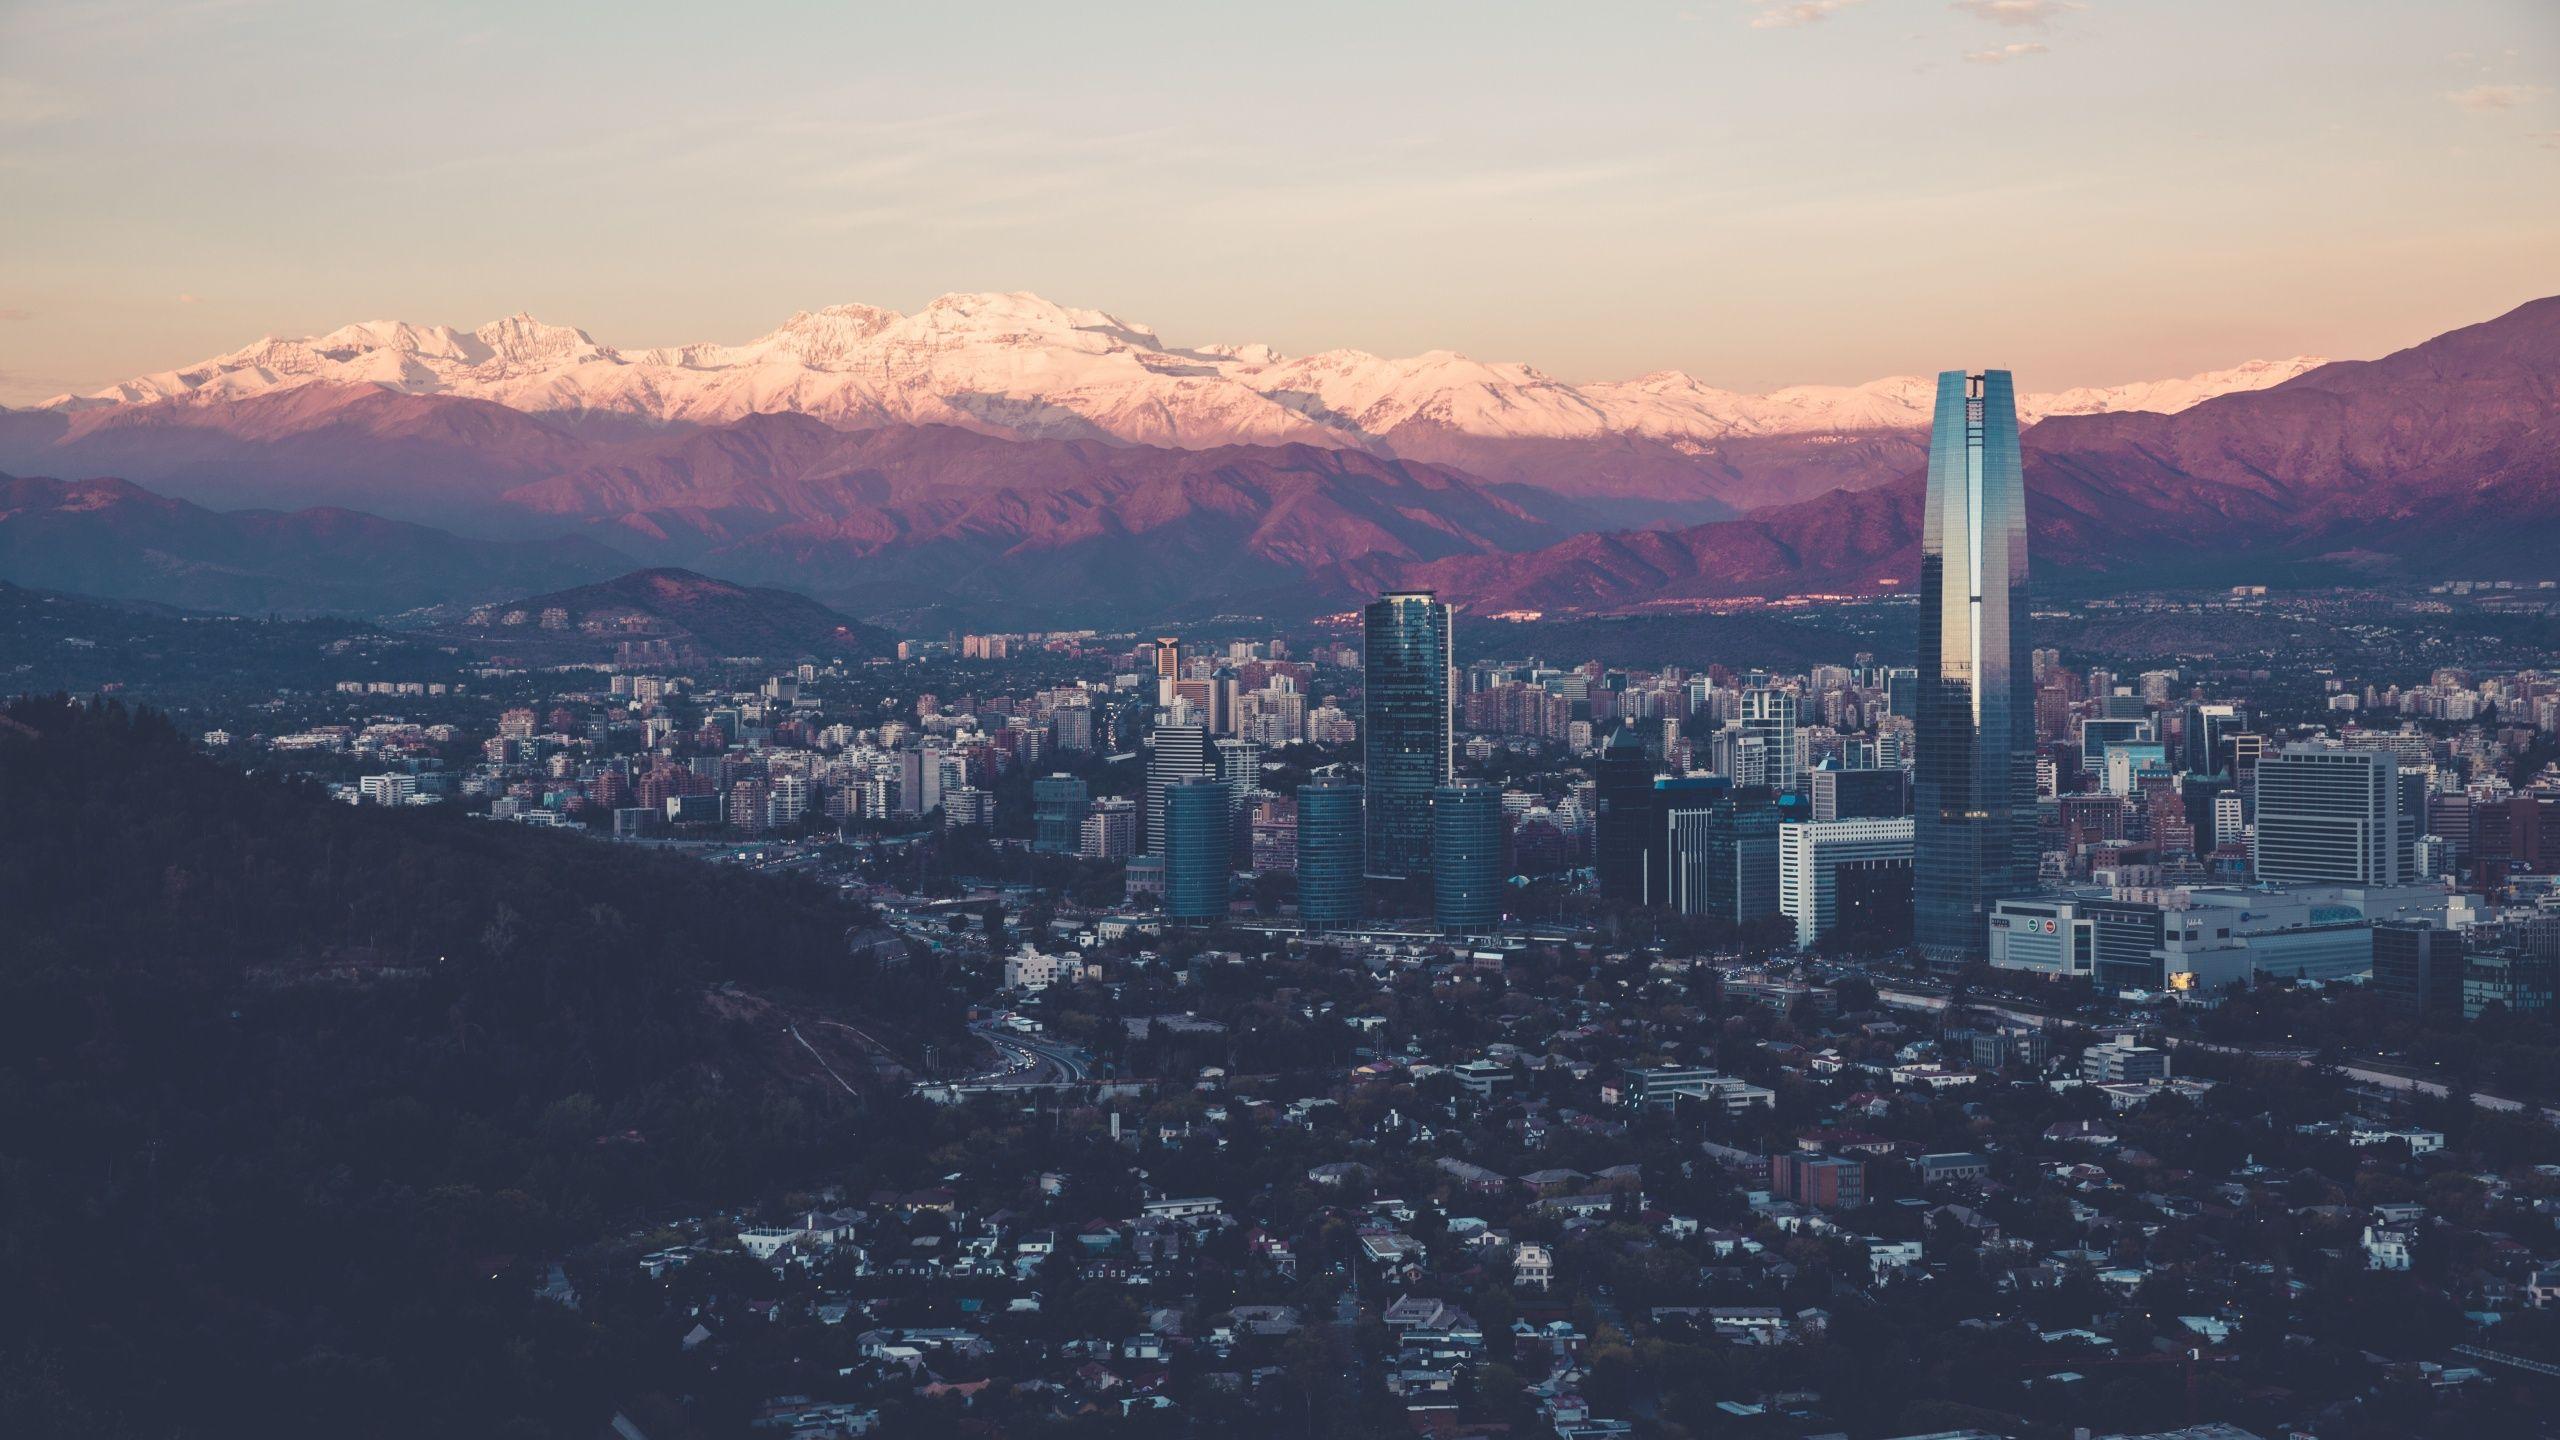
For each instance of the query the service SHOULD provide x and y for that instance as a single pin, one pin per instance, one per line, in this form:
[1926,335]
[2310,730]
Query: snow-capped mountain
[1022,367]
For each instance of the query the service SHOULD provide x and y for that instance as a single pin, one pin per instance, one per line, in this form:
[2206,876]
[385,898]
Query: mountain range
[998,454]
[1016,366]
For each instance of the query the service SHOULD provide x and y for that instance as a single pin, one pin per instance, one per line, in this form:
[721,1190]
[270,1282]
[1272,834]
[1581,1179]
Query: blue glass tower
[1466,855]
[1974,777]
[1406,731]
[1196,848]
[1331,875]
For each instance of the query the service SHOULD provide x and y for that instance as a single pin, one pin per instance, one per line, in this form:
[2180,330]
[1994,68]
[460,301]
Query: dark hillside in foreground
[295,1098]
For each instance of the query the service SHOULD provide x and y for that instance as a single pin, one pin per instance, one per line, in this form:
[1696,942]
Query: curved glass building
[1406,730]
[1974,779]
[1196,848]
[1466,845]
[1332,881]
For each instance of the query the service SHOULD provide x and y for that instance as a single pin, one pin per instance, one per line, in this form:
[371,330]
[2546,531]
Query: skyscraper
[1330,844]
[2337,816]
[1769,716]
[1181,752]
[1466,853]
[1975,774]
[1624,786]
[1058,807]
[1198,846]
[1407,728]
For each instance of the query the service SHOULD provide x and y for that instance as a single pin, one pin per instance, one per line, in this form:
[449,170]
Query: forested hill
[293,1094]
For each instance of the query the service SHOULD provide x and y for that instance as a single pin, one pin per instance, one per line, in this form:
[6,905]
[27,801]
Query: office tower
[1876,794]
[1466,853]
[1820,859]
[1407,727]
[1220,701]
[919,781]
[1769,716]
[2417,967]
[2204,740]
[1198,845]
[1902,692]
[1331,841]
[2336,816]
[1715,851]
[1974,836]
[2228,827]
[1168,667]
[1181,752]
[1624,775]
[2097,734]
[1110,830]
[1058,806]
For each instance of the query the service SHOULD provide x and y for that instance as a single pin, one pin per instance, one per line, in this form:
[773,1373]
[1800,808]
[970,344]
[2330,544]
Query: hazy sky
[1755,191]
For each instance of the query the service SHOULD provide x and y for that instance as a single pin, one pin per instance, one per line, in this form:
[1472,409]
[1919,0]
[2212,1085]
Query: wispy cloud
[1778,14]
[2001,55]
[24,102]
[2034,13]
[2486,98]
[14,312]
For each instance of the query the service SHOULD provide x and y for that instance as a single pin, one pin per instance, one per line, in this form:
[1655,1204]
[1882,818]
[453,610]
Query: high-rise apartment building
[1110,830]
[1407,728]
[1974,780]
[1769,716]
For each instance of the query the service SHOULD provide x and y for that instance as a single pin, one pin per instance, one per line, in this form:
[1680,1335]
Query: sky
[1758,192]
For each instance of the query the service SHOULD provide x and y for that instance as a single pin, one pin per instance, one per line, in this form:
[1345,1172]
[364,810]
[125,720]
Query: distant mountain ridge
[1021,367]
[116,540]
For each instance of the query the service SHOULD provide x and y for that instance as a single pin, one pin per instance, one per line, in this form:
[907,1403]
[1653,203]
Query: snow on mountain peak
[1017,364]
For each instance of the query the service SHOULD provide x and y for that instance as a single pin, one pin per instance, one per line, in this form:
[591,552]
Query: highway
[1028,1062]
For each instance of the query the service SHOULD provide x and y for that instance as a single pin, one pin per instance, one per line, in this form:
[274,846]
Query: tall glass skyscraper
[1331,875]
[1974,777]
[1196,848]
[1406,730]
[1466,843]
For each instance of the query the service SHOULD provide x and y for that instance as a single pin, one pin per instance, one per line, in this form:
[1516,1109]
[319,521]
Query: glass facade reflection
[1332,892]
[1466,881]
[1974,780]
[1406,727]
